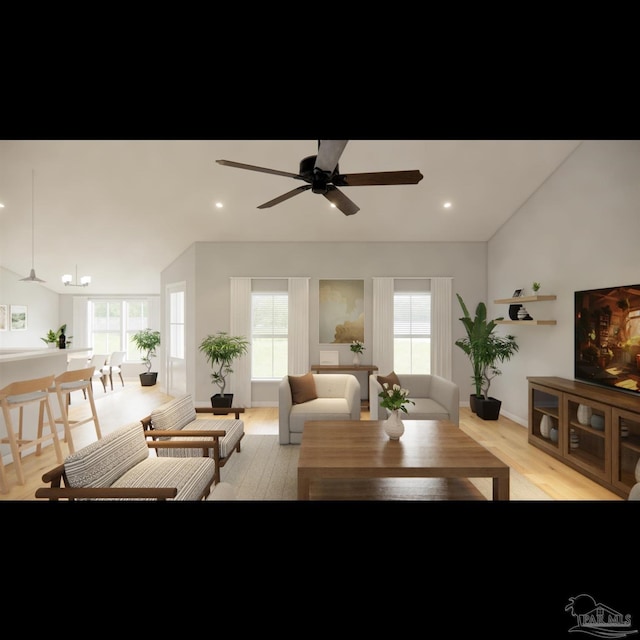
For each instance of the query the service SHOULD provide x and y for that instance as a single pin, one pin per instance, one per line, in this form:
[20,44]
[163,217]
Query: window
[269,335]
[113,322]
[412,332]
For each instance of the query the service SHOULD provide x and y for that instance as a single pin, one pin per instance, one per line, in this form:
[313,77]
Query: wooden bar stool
[18,395]
[64,384]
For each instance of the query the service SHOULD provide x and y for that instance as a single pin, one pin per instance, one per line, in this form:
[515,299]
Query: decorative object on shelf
[513,311]
[545,425]
[584,414]
[523,314]
[357,348]
[221,350]
[536,287]
[393,425]
[485,350]
[55,339]
[597,421]
[553,434]
[574,440]
[624,431]
[67,279]
[517,293]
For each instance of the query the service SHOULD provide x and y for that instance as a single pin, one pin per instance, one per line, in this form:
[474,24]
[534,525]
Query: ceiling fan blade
[377,178]
[284,197]
[337,198]
[329,152]
[239,165]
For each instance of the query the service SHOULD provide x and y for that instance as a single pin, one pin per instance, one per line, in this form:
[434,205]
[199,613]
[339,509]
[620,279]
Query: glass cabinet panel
[626,447]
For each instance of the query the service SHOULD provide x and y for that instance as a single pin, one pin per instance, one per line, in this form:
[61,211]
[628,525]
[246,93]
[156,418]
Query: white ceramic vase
[356,359]
[584,414]
[393,425]
[545,426]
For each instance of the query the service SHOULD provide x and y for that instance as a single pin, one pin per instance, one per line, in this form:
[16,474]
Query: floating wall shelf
[521,300]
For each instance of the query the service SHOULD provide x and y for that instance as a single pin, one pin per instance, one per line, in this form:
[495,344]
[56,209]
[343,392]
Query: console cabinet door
[625,444]
[587,438]
[545,411]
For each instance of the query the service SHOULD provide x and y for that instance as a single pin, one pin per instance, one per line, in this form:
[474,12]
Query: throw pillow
[391,379]
[303,388]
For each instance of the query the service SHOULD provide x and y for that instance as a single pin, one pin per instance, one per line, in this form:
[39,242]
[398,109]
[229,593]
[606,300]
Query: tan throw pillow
[303,388]
[391,379]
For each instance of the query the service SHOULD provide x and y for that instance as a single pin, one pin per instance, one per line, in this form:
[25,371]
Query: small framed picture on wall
[3,317]
[517,293]
[18,317]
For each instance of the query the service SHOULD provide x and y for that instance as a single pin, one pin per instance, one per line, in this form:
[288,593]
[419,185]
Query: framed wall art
[18,317]
[341,311]
[3,317]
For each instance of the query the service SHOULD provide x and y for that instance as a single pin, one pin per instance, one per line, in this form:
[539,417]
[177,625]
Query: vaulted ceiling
[122,210]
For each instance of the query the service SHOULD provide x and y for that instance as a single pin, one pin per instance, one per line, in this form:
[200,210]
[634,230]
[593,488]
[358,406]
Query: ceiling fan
[322,175]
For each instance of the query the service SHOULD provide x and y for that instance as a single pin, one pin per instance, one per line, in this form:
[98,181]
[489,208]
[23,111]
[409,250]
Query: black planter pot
[148,379]
[473,402]
[219,400]
[488,408]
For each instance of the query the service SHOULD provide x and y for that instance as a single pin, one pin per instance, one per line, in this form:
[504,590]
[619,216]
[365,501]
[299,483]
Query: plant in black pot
[485,350]
[221,350]
[147,341]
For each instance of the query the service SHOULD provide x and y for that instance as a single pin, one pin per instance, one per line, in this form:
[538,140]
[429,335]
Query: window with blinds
[269,335]
[412,332]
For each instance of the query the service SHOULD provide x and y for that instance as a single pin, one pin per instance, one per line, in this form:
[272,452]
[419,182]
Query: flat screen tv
[607,337]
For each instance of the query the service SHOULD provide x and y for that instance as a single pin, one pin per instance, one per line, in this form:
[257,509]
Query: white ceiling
[123,210]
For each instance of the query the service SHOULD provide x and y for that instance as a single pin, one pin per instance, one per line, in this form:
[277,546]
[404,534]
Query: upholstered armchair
[316,396]
[435,398]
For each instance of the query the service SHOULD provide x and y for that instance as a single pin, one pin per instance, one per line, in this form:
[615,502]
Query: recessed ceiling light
[219,205]
[447,205]
[1,205]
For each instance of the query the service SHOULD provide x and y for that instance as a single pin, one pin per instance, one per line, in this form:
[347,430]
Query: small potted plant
[221,350]
[53,338]
[357,348]
[536,287]
[147,341]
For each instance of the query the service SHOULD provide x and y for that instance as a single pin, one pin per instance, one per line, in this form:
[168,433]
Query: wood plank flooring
[505,438]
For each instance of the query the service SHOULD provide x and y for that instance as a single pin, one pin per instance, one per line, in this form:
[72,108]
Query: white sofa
[338,399]
[435,398]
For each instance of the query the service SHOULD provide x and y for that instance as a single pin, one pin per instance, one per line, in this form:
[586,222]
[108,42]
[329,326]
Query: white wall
[43,310]
[580,230]
[207,267]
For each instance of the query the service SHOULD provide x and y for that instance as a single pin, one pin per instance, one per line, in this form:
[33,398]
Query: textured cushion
[391,379]
[191,476]
[101,463]
[303,388]
[234,429]
[174,414]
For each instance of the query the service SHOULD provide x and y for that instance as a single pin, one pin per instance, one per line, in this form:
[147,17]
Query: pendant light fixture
[32,276]
[67,278]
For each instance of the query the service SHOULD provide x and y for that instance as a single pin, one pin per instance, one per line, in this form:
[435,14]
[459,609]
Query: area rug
[267,470]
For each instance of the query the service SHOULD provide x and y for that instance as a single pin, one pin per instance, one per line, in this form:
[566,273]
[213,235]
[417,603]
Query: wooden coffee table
[427,449]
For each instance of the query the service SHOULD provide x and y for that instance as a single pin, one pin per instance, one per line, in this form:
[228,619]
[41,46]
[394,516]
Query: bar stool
[64,384]
[18,395]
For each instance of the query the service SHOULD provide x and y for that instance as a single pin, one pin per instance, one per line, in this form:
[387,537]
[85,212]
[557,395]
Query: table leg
[303,486]
[501,487]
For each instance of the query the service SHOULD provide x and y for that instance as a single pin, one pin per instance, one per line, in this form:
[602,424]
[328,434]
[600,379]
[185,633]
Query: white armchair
[435,398]
[338,399]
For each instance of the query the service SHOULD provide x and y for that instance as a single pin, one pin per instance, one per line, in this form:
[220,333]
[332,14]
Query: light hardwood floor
[505,438]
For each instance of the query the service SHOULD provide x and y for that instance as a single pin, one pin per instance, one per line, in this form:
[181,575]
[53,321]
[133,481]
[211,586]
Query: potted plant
[485,350]
[147,341]
[357,348]
[221,350]
[53,338]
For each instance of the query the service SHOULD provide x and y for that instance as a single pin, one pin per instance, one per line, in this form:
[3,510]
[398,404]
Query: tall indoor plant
[221,350]
[147,341]
[485,350]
